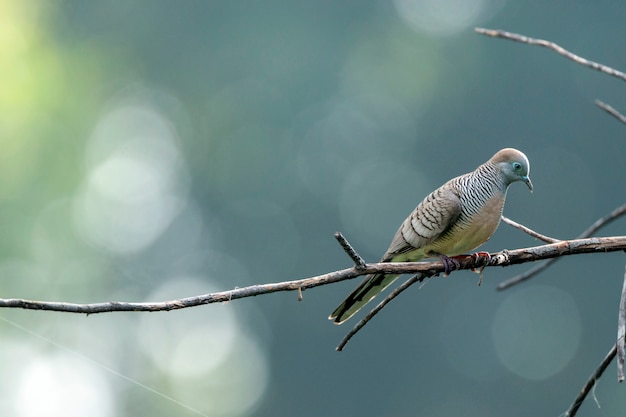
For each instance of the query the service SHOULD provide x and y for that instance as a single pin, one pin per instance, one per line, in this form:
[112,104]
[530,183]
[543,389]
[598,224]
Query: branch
[618,348]
[529,231]
[359,262]
[621,332]
[429,269]
[551,45]
[610,110]
[591,382]
[396,292]
[603,221]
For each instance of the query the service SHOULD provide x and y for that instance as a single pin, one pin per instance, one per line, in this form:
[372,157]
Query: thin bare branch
[603,221]
[359,262]
[621,332]
[397,291]
[505,258]
[525,276]
[591,382]
[529,231]
[479,262]
[553,46]
[610,110]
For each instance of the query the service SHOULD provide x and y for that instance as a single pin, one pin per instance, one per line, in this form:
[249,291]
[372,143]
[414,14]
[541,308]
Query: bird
[456,218]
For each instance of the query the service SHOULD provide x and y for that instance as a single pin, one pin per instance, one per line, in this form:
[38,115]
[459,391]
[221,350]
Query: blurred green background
[153,150]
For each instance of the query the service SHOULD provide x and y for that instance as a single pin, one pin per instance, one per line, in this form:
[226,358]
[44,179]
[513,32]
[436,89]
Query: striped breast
[482,194]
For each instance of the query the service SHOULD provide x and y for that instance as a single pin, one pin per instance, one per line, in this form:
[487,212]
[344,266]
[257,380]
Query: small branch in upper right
[551,45]
[610,110]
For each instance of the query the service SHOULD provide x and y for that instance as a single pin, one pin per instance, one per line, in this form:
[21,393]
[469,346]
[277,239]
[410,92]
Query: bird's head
[514,166]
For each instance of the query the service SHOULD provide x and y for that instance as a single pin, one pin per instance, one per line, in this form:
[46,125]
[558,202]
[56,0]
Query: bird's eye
[517,166]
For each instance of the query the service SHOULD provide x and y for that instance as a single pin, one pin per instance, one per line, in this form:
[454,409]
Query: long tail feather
[363,294]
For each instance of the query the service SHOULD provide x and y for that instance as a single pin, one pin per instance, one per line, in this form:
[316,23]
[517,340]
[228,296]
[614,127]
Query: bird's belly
[467,237]
[473,237]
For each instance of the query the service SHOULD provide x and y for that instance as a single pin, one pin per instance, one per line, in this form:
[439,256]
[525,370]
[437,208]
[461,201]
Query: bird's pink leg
[484,255]
[476,256]
[451,263]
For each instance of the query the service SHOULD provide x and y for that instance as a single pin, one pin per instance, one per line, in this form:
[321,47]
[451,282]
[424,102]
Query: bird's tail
[363,294]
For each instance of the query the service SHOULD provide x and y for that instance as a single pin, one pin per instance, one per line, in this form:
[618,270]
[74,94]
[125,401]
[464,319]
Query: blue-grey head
[514,166]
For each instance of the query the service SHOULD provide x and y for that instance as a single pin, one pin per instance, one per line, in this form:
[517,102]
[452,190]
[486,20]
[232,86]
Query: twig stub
[359,262]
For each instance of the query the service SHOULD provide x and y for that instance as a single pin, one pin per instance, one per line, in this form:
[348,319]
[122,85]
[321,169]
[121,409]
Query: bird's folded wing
[431,219]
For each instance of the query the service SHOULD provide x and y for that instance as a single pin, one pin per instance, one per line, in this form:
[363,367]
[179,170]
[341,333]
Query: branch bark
[618,348]
[591,382]
[495,33]
[621,333]
[610,110]
[597,225]
[429,269]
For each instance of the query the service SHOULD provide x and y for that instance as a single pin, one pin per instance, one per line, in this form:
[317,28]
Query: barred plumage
[457,217]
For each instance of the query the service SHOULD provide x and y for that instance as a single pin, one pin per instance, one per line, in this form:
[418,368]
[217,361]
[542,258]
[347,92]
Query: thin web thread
[103,366]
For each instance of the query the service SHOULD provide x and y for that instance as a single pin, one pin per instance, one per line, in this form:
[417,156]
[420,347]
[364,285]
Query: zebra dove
[457,217]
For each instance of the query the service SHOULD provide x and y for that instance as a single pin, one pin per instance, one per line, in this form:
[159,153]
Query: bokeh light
[51,384]
[366,211]
[213,363]
[446,17]
[136,182]
[151,150]
[536,331]
[466,338]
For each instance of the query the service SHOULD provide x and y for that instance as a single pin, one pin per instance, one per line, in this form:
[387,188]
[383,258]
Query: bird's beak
[528,183]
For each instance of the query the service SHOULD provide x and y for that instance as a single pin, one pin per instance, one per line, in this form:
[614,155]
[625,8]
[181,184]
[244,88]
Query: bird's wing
[432,218]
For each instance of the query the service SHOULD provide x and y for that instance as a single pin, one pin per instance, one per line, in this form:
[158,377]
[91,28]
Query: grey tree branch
[591,382]
[359,262]
[469,262]
[621,332]
[610,110]
[597,225]
[505,258]
[529,231]
[618,348]
[494,33]
[396,292]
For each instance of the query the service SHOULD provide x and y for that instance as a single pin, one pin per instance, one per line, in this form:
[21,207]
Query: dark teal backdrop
[153,150]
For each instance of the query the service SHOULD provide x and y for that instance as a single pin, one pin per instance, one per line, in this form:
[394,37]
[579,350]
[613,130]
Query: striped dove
[456,218]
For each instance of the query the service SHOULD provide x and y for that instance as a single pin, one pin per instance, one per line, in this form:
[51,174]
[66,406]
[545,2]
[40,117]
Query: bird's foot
[478,256]
[449,264]
[486,256]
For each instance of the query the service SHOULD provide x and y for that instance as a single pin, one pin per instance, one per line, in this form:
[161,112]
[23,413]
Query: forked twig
[618,348]
[471,262]
[564,52]
[601,222]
